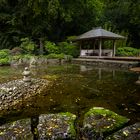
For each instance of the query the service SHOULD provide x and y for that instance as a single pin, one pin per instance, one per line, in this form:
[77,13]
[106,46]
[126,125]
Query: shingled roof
[98,33]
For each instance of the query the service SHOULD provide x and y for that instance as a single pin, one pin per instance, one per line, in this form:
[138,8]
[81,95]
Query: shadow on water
[76,89]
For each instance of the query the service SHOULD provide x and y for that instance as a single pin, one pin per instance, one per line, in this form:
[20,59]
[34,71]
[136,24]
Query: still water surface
[77,88]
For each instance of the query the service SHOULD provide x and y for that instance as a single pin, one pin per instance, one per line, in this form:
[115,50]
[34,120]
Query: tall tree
[123,16]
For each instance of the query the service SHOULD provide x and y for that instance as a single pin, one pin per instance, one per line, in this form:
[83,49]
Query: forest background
[47,26]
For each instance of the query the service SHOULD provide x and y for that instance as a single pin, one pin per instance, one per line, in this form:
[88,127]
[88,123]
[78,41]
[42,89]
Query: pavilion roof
[99,33]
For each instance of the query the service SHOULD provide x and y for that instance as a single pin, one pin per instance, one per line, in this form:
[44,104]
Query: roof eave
[98,37]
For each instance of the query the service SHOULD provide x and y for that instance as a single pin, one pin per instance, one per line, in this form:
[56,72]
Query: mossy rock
[99,121]
[131,132]
[18,130]
[57,126]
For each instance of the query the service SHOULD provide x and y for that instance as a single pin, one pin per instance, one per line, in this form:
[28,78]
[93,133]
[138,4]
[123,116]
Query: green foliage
[3,54]
[127,51]
[55,56]
[122,16]
[17,57]
[51,47]
[56,19]
[71,38]
[28,45]
[63,47]
[4,61]
[4,57]
[68,49]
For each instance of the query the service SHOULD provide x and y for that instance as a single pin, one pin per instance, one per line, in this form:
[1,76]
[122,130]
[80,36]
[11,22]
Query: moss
[71,122]
[104,120]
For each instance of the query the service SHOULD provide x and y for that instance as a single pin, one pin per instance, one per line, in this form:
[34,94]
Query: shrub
[68,49]
[28,45]
[4,61]
[4,57]
[127,51]
[51,47]
[17,57]
[3,54]
[55,56]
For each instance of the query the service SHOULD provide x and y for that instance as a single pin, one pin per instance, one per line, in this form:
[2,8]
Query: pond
[77,88]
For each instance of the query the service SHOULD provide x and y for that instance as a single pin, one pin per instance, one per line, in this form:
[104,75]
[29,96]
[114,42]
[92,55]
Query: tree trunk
[41,46]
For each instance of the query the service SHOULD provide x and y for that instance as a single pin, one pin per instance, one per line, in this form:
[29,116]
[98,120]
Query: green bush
[127,51]
[3,54]
[55,56]
[4,57]
[17,57]
[68,49]
[4,61]
[51,47]
[28,45]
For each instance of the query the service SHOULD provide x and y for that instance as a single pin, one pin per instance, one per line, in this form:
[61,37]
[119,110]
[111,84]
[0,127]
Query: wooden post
[80,43]
[93,45]
[114,48]
[100,47]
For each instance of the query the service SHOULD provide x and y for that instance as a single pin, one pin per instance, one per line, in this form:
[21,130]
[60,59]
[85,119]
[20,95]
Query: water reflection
[138,80]
[84,68]
[77,88]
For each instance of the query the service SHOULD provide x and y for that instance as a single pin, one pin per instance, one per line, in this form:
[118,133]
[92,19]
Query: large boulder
[128,133]
[57,126]
[99,121]
[18,130]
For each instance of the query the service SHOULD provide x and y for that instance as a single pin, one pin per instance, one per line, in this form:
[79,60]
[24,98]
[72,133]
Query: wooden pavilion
[98,36]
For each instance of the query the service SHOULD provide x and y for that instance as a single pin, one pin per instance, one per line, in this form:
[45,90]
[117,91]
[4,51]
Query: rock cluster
[18,130]
[57,126]
[98,124]
[16,91]
[128,133]
[98,121]
[34,61]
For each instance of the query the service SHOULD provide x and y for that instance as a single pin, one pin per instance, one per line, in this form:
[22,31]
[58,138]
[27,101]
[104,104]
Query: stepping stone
[99,121]
[18,130]
[57,126]
[131,132]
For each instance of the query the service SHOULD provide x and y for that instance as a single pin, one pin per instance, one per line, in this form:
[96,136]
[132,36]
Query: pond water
[77,88]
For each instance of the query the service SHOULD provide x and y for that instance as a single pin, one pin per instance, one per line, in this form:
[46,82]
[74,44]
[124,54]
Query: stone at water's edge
[17,91]
[18,130]
[98,121]
[57,126]
[128,133]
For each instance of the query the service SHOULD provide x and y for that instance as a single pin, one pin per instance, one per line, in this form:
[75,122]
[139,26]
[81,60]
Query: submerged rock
[15,92]
[98,121]
[57,126]
[18,130]
[128,133]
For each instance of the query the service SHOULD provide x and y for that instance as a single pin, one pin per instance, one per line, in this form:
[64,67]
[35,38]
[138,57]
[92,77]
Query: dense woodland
[55,20]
